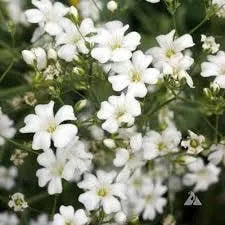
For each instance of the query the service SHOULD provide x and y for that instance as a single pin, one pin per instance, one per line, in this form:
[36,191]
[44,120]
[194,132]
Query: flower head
[17,202]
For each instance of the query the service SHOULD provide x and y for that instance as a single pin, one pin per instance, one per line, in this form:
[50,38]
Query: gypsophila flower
[74,39]
[220,7]
[118,110]
[7,177]
[30,99]
[194,143]
[112,6]
[156,144]
[102,191]
[46,126]
[215,67]
[112,43]
[54,170]
[209,44]
[218,154]
[6,128]
[18,157]
[48,15]
[68,216]
[17,202]
[134,75]
[41,220]
[200,175]
[8,219]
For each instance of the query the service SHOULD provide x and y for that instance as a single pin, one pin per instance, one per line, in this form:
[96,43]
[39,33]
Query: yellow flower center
[102,192]
[161,146]
[51,128]
[194,143]
[170,52]
[136,76]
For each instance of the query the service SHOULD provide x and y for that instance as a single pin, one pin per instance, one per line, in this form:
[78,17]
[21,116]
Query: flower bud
[215,88]
[52,54]
[28,57]
[109,143]
[74,14]
[112,6]
[81,105]
[120,218]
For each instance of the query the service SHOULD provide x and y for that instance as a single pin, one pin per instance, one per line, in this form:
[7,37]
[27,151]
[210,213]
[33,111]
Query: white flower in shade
[218,154]
[17,202]
[6,128]
[18,157]
[194,143]
[112,43]
[221,7]
[88,9]
[209,44]
[130,158]
[48,15]
[102,191]
[200,175]
[6,219]
[78,159]
[35,57]
[169,47]
[41,220]
[134,75]
[150,202]
[118,110]
[46,126]
[157,144]
[72,39]
[54,170]
[112,6]
[215,67]
[177,68]
[153,1]
[68,216]
[7,177]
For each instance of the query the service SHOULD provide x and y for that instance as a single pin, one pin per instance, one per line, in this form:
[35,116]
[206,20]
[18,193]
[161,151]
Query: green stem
[54,206]
[6,71]
[199,25]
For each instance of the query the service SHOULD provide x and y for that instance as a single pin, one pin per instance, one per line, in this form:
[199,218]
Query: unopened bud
[109,143]
[120,218]
[52,54]
[81,105]
[74,14]
[112,6]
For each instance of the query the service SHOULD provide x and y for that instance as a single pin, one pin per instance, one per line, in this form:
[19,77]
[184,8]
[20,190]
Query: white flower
[131,158]
[17,202]
[41,220]
[72,39]
[18,157]
[221,7]
[112,43]
[78,159]
[209,44]
[169,47]
[88,9]
[68,216]
[117,111]
[6,219]
[36,57]
[134,75]
[202,176]
[7,177]
[48,15]
[112,6]
[215,67]
[6,128]
[102,191]
[46,126]
[151,201]
[177,68]
[194,143]
[54,170]
[218,154]
[156,144]
[153,1]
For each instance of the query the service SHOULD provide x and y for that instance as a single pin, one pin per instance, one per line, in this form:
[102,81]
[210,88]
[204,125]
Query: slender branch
[7,70]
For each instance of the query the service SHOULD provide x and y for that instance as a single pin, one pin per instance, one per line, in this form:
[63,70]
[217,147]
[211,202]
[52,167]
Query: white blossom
[209,44]
[48,15]
[72,39]
[220,7]
[7,177]
[215,67]
[54,170]
[200,175]
[134,75]
[102,190]
[194,143]
[68,216]
[7,218]
[46,126]
[118,110]
[218,154]
[157,144]
[112,6]
[113,44]
[17,202]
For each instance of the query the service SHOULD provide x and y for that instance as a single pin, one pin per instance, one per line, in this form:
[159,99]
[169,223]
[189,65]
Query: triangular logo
[192,199]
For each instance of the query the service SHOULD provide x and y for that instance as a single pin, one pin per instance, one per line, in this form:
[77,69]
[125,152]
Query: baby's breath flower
[30,99]
[209,44]
[17,202]
[18,157]
[112,6]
